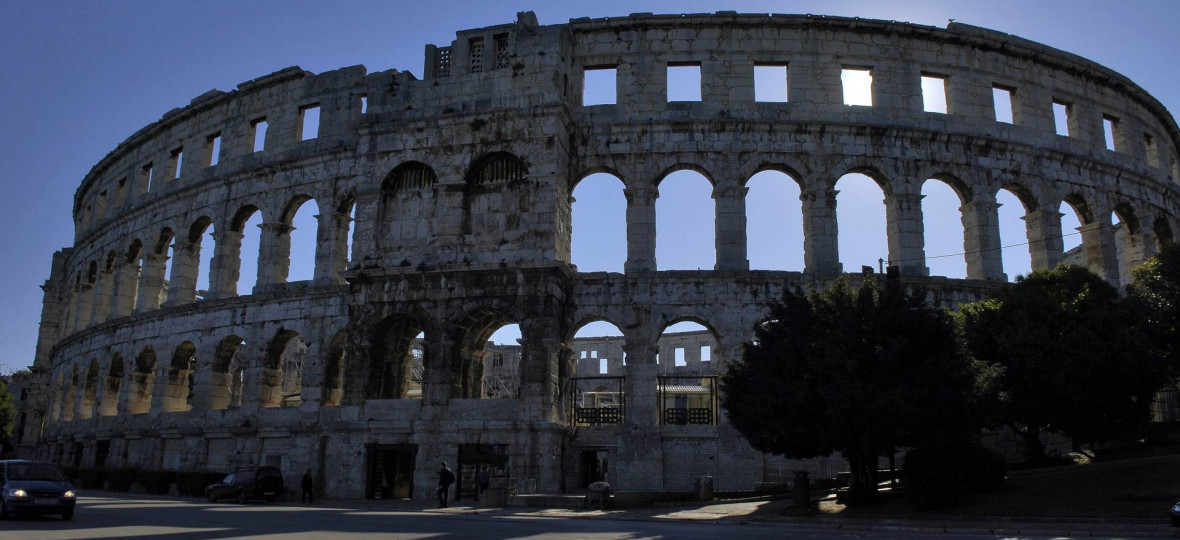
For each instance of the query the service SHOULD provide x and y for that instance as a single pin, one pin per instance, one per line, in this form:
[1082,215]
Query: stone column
[1099,249]
[364,240]
[821,255]
[539,377]
[903,213]
[1045,246]
[126,282]
[227,264]
[274,253]
[640,386]
[981,240]
[182,287]
[641,229]
[102,298]
[202,386]
[730,204]
[331,254]
[1138,248]
[112,390]
[151,282]
[439,356]
[84,308]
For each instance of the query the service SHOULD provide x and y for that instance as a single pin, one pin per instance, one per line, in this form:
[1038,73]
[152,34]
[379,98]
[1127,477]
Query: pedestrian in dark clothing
[445,479]
[482,480]
[307,485]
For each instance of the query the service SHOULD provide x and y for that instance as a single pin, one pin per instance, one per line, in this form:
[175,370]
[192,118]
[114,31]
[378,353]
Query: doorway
[472,457]
[594,466]
[390,471]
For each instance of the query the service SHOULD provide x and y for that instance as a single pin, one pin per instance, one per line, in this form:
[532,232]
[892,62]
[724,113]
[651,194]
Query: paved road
[128,516]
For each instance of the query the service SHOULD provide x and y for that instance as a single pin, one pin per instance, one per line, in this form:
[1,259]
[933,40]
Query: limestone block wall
[444,213]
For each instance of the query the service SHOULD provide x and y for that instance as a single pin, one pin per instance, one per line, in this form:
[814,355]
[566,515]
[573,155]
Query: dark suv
[247,483]
[35,487]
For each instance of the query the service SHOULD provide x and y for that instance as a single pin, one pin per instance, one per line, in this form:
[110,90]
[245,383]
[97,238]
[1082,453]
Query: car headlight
[1176,507]
[17,493]
[69,494]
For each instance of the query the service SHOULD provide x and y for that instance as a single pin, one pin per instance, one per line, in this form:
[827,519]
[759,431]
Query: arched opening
[89,390]
[335,359]
[488,359]
[942,226]
[407,206]
[104,288]
[282,374]
[687,363]
[348,234]
[860,216]
[1074,214]
[143,378]
[156,265]
[774,222]
[598,240]
[496,205]
[201,237]
[109,405]
[686,218]
[1163,233]
[598,375]
[1127,239]
[127,289]
[303,217]
[59,396]
[248,224]
[225,377]
[178,389]
[1016,256]
[392,364]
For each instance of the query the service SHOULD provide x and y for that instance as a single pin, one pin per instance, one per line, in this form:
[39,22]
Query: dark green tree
[1074,357]
[1156,289]
[854,370]
[7,410]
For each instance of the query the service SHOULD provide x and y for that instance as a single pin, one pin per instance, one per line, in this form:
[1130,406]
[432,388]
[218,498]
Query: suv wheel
[242,498]
[209,494]
[67,515]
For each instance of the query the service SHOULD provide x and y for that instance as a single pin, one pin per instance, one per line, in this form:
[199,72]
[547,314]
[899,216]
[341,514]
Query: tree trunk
[1034,449]
[862,486]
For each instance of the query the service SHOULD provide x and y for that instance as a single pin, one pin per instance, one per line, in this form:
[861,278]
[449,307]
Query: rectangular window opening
[1002,101]
[501,42]
[706,353]
[624,358]
[657,358]
[858,86]
[1110,126]
[602,365]
[593,354]
[770,83]
[177,162]
[680,357]
[475,54]
[934,94]
[1061,114]
[309,122]
[364,104]
[585,354]
[599,85]
[684,82]
[214,146]
[145,177]
[259,127]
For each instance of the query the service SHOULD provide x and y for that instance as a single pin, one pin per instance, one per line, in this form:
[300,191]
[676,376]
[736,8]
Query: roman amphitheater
[445,212]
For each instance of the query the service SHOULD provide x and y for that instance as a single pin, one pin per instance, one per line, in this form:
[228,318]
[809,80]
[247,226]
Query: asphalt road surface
[128,516]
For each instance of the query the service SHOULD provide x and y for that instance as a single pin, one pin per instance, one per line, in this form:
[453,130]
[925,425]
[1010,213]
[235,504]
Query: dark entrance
[390,471]
[474,456]
[594,466]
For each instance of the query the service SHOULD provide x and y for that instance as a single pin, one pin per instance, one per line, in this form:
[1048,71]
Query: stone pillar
[1138,248]
[1045,246]
[539,376]
[1099,249]
[640,386]
[84,308]
[364,240]
[102,298]
[821,249]
[112,390]
[151,282]
[331,254]
[981,240]
[641,229]
[200,398]
[251,391]
[227,264]
[439,355]
[182,287]
[903,213]
[730,204]
[274,253]
[126,282]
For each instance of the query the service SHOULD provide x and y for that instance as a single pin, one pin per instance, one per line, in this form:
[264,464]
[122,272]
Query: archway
[942,226]
[774,222]
[178,387]
[143,377]
[686,218]
[225,377]
[282,374]
[599,224]
[860,216]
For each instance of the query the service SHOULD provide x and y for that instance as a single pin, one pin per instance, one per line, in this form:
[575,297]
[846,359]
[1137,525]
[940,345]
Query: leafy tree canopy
[1073,355]
[855,370]
[1156,288]
[7,411]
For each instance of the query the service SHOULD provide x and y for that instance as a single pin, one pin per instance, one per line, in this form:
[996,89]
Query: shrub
[121,479]
[942,473]
[193,483]
[155,481]
[90,478]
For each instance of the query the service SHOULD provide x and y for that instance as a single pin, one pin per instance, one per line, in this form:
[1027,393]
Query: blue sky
[77,78]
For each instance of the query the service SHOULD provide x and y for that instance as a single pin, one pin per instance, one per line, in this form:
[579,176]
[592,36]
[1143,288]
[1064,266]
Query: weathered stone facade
[461,184]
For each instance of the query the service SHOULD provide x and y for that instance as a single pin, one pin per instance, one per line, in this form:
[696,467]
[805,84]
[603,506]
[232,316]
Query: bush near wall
[940,475]
[193,483]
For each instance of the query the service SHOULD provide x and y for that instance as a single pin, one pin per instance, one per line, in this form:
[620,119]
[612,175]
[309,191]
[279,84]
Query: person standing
[482,480]
[307,484]
[445,479]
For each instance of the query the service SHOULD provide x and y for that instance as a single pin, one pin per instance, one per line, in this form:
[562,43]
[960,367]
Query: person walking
[307,484]
[445,479]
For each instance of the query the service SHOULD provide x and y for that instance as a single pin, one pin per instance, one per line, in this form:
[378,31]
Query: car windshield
[35,471]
